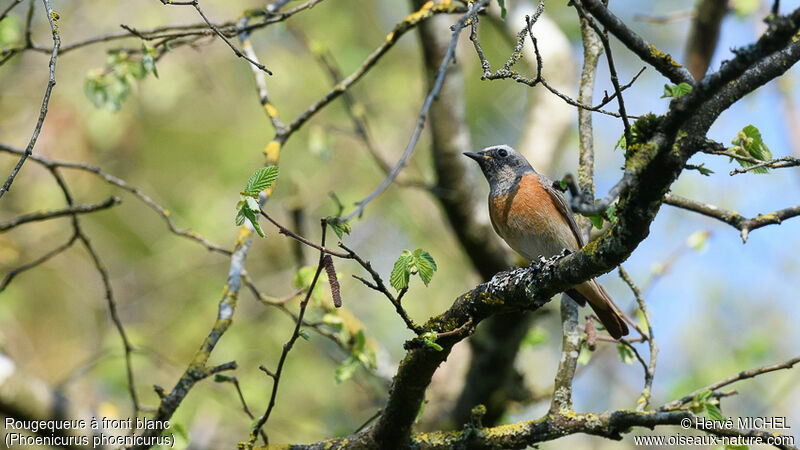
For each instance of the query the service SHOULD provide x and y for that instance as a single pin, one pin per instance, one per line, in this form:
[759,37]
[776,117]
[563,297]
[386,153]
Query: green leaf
[611,212]
[621,144]
[240,217]
[676,91]
[703,396]
[425,264]
[250,215]
[221,378]
[625,354]
[304,334]
[261,179]
[713,413]
[704,170]
[597,221]
[749,142]
[252,204]
[346,369]
[429,339]
[585,355]
[421,410]
[563,185]
[400,273]
[338,226]
[148,59]
[503,11]
[360,341]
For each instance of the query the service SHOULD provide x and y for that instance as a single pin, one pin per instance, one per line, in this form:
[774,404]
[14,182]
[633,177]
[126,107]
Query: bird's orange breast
[528,219]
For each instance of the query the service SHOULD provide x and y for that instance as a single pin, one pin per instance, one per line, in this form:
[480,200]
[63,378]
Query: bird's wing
[563,207]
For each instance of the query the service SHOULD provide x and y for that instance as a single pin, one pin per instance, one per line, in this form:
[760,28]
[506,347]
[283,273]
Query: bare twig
[423,114]
[276,377]
[743,375]
[650,369]
[52,18]
[732,218]
[55,213]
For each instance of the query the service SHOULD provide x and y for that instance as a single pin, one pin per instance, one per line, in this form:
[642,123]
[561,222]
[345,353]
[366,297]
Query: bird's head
[501,164]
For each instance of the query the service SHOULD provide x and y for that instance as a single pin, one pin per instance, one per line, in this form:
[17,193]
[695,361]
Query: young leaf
[426,266]
[338,226]
[429,339]
[625,354]
[251,216]
[597,221]
[222,378]
[585,355]
[304,334]
[676,91]
[748,142]
[713,412]
[621,144]
[611,212]
[240,217]
[261,179]
[400,273]
[346,369]
[503,11]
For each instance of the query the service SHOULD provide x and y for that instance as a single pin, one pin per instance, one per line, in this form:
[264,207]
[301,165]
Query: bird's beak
[477,156]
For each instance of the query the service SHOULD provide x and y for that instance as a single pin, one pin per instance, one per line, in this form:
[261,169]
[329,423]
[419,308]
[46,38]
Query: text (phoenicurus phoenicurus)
[534,219]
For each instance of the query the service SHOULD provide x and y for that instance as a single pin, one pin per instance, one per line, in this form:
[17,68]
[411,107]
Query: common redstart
[534,219]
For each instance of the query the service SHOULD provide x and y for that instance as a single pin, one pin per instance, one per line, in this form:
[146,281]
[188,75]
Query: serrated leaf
[400,273]
[713,412]
[625,354]
[425,264]
[240,218]
[261,179]
[338,226]
[749,142]
[251,216]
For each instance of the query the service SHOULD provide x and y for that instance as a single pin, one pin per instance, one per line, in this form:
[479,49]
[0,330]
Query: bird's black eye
[502,153]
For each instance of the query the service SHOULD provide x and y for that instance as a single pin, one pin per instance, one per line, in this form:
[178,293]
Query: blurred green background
[190,139]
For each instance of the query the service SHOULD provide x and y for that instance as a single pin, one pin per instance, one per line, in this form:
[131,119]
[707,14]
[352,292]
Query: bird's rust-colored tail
[592,293]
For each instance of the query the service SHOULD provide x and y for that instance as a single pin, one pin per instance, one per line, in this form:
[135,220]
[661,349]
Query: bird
[534,219]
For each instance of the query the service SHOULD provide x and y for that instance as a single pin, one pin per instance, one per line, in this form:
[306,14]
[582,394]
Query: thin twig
[52,18]
[423,114]
[276,377]
[743,375]
[56,213]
